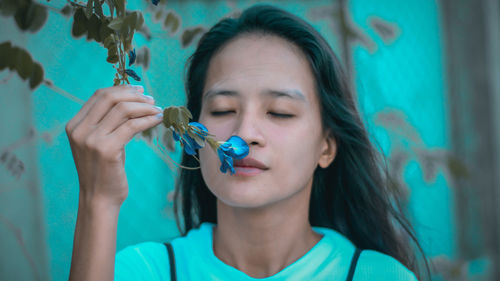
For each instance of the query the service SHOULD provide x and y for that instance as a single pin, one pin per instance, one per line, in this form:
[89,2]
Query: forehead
[253,63]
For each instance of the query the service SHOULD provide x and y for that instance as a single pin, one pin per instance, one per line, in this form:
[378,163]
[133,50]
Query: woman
[308,203]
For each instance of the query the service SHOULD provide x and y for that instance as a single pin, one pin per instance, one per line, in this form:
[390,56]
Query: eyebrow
[288,93]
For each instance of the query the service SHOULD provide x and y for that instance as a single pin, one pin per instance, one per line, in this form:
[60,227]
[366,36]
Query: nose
[249,130]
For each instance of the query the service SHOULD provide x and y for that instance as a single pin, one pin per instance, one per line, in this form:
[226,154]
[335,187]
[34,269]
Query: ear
[328,151]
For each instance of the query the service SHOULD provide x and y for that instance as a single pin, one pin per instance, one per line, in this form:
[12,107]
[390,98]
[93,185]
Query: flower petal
[176,136]
[189,148]
[132,74]
[202,130]
[131,57]
[239,147]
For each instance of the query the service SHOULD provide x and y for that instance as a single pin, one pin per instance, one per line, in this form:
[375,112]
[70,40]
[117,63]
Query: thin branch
[19,237]
[75,4]
[62,92]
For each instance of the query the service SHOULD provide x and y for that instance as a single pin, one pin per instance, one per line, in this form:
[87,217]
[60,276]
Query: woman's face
[261,88]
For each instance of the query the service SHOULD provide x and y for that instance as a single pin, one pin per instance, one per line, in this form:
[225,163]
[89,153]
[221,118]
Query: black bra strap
[354,262]
[171,259]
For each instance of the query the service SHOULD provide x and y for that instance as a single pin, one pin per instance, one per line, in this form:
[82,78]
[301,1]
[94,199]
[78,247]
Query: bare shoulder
[373,265]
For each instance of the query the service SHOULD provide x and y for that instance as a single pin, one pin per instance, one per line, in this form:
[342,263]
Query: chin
[241,195]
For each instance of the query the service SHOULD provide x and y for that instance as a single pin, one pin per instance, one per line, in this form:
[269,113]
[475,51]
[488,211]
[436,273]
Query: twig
[62,92]
[19,237]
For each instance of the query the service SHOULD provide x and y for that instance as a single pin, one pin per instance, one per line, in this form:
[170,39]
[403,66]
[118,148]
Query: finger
[94,98]
[125,132]
[122,112]
[106,102]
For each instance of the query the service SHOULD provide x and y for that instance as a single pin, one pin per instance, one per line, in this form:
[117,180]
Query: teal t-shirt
[329,260]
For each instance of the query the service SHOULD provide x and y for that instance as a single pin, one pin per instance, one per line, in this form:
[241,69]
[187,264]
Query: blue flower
[190,145]
[132,74]
[234,148]
[131,57]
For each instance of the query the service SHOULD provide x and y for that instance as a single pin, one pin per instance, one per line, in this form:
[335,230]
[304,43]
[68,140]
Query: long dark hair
[352,195]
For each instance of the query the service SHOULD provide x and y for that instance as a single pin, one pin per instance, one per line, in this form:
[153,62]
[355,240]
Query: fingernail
[159,115]
[149,97]
[138,88]
[159,108]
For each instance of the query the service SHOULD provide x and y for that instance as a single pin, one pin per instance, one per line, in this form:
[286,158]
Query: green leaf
[172,22]
[143,57]
[9,7]
[116,24]
[79,23]
[11,58]
[36,76]
[105,31]
[40,18]
[5,49]
[67,10]
[89,10]
[120,7]
[23,63]
[93,28]
[98,9]
[158,15]
[189,35]
[127,43]
[31,17]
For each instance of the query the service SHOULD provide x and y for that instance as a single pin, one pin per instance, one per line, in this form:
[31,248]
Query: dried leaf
[148,134]
[112,55]
[168,140]
[189,35]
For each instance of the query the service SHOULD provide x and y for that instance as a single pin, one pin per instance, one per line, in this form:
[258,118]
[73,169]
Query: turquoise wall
[399,80]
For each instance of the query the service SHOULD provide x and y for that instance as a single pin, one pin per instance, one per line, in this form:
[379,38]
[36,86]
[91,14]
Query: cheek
[296,150]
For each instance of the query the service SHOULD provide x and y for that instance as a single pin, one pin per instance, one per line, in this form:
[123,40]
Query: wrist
[96,205]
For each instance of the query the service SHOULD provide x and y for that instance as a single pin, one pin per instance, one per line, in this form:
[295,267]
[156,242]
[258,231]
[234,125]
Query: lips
[248,162]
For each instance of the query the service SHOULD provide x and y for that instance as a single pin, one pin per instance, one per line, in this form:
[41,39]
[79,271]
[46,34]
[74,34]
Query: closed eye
[281,115]
[221,113]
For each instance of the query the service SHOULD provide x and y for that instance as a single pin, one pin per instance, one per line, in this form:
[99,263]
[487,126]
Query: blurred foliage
[19,60]
[408,145]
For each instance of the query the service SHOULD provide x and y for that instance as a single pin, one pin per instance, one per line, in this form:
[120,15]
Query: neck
[263,241]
